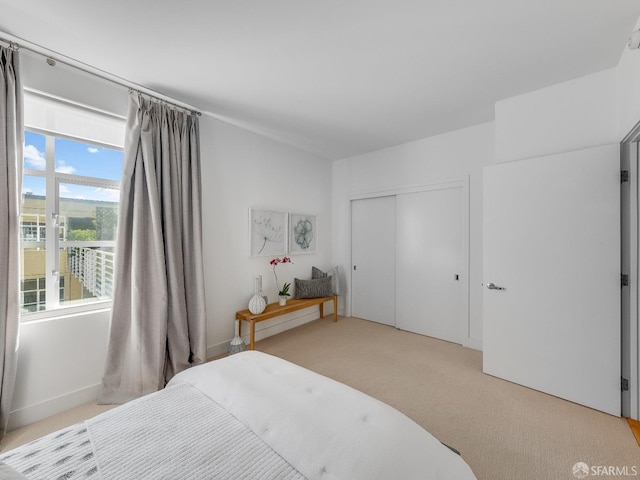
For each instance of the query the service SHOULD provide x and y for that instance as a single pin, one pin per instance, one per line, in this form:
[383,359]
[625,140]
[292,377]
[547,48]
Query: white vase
[283,301]
[258,289]
[257,303]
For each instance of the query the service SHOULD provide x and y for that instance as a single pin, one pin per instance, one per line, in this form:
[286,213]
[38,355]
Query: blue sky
[75,158]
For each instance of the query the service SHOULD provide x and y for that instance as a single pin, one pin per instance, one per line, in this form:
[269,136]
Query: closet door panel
[431,294]
[373,270]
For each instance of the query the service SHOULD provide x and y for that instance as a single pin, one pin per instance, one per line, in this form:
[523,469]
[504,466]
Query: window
[33,294]
[68,221]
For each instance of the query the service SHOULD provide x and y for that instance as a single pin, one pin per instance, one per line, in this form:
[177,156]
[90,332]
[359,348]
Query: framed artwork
[268,232]
[303,233]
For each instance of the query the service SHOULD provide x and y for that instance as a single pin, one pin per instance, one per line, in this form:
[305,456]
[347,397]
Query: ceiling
[336,78]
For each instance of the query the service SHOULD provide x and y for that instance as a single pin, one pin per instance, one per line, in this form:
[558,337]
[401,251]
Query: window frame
[52,242]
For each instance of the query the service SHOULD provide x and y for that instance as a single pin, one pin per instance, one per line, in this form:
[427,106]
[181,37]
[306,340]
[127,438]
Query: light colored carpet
[504,431]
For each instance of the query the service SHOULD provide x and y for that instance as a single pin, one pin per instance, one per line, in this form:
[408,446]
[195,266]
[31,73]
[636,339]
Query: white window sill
[69,311]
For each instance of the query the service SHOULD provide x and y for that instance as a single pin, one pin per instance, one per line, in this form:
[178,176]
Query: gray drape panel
[11,145]
[158,315]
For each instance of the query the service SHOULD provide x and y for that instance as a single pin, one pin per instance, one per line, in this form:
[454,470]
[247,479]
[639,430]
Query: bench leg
[321,310]
[335,308]
[252,341]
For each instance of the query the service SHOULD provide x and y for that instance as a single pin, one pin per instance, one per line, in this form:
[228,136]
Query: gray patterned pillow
[319,287]
[333,273]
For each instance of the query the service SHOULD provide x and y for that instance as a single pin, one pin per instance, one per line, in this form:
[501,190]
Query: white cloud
[34,158]
[62,167]
[63,189]
[92,150]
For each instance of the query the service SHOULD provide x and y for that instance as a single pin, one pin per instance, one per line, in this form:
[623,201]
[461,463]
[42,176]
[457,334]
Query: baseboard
[473,343]
[216,350]
[272,327]
[33,413]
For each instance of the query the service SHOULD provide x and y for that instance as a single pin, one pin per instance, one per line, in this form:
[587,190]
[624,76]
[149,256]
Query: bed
[247,416]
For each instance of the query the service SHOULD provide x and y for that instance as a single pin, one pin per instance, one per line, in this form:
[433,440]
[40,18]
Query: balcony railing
[93,268]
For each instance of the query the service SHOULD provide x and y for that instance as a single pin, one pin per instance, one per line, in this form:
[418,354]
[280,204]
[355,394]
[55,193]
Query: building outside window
[69,218]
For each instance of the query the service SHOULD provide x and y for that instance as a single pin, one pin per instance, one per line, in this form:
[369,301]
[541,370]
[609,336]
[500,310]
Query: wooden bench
[275,310]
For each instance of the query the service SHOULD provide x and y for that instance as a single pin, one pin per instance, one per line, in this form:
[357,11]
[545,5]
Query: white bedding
[327,430]
[250,415]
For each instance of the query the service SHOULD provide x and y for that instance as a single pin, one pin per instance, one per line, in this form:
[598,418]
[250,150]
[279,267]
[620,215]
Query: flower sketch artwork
[268,232]
[303,233]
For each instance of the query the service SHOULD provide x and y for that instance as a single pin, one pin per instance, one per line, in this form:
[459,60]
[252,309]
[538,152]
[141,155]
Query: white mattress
[250,415]
[324,428]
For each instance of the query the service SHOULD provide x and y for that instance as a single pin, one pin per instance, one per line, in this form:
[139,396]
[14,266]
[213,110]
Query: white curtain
[11,145]
[158,314]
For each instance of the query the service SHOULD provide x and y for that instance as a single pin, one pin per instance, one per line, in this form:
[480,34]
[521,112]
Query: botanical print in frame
[303,233]
[268,230]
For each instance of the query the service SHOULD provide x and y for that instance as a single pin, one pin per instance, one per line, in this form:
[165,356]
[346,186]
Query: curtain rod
[161,101]
[16,43]
[9,45]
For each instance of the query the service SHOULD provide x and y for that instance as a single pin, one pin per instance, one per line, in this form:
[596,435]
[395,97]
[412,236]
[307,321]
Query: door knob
[493,286]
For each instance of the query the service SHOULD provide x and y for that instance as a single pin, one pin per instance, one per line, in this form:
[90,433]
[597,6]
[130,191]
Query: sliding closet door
[373,238]
[431,278]
[552,275]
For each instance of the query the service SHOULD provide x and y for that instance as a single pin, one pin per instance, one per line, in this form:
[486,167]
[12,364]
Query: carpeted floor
[504,431]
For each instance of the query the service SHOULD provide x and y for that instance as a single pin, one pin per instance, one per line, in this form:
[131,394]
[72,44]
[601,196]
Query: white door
[431,276]
[552,260]
[373,253]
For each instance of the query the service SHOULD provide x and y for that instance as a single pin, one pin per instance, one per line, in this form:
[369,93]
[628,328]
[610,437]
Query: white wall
[596,109]
[423,162]
[60,365]
[568,116]
[242,170]
[61,360]
[628,87]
